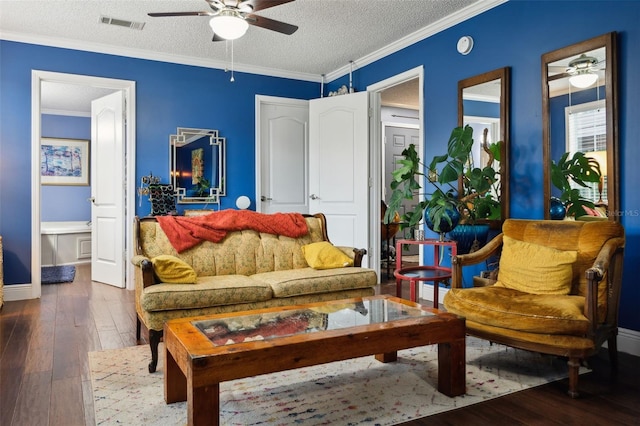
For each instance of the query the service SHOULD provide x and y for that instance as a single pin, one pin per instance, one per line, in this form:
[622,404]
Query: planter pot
[444,226]
[469,237]
[557,210]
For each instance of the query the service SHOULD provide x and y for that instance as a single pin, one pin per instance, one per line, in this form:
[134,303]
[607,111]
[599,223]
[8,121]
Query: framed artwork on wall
[64,161]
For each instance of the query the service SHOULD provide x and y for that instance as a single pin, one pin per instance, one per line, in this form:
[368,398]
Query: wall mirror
[197,165]
[579,114]
[483,104]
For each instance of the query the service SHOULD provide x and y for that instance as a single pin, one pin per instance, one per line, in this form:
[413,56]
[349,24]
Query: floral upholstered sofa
[245,270]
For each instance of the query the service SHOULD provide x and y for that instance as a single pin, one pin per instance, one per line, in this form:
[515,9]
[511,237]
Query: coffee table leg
[451,368]
[387,357]
[203,405]
[175,382]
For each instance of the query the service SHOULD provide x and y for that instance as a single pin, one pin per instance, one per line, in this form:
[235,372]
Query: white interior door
[338,166]
[283,145]
[108,189]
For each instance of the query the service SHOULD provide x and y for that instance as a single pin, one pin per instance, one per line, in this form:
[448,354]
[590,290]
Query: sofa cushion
[207,292]
[172,270]
[516,310]
[303,281]
[323,255]
[535,269]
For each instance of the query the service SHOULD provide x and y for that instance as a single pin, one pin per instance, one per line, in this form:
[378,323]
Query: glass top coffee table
[202,352]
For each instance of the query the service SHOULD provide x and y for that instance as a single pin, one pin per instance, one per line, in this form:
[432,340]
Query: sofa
[557,290]
[245,270]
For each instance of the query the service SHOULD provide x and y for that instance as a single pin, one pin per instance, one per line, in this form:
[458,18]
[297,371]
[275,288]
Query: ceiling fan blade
[271,24]
[257,5]
[167,14]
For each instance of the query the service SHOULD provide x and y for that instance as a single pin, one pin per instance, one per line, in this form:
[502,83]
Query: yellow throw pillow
[535,269]
[324,255]
[172,270]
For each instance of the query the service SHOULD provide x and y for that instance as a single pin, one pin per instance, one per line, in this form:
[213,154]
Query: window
[586,129]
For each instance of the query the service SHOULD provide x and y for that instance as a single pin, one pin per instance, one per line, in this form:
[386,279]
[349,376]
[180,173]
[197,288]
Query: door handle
[263,198]
[314,197]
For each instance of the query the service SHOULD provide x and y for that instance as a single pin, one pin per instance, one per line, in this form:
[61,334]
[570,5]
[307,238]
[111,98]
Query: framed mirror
[197,165]
[483,104]
[579,114]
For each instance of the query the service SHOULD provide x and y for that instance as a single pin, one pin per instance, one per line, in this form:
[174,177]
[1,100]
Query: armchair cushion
[534,268]
[512,309]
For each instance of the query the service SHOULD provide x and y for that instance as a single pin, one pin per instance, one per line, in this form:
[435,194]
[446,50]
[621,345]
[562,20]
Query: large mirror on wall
[197,165]
[579,106]
[483,104]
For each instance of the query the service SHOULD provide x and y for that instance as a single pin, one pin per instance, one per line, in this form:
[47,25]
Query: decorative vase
[469,237]
[557,210]
[444,226]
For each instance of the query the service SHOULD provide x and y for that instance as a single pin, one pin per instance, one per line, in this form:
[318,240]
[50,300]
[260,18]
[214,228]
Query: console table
[417,274]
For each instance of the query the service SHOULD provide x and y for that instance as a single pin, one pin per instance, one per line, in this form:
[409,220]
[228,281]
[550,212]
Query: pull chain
[232,79]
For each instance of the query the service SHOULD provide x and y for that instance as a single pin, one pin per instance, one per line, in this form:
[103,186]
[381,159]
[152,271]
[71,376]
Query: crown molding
[153,56]
[447,22]
[426,32]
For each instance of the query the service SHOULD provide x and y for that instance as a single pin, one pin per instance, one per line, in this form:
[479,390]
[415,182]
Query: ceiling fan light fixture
[229,25]
[582,80]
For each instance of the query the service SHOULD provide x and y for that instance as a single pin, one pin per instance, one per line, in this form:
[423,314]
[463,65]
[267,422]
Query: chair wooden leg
[138,328]
[612,344]
[574,368]
[154,341]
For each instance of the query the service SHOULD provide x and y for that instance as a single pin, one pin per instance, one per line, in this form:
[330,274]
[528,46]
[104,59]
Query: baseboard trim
[628,340]
[17,292]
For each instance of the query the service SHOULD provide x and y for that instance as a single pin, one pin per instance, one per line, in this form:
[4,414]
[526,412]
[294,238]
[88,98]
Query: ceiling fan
[582,71]
[230,19]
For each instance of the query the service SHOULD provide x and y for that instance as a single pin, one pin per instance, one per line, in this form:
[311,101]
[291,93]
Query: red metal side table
[417,274]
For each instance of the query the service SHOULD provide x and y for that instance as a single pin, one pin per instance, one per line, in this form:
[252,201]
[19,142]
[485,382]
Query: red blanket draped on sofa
[185,232]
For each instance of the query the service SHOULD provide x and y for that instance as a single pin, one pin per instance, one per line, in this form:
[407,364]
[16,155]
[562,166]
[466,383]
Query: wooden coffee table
[202,352]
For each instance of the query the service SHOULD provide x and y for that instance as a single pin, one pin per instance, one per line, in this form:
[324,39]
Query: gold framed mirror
[483,104]
[580,114]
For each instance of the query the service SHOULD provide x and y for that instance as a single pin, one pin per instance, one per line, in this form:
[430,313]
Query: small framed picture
[64,161]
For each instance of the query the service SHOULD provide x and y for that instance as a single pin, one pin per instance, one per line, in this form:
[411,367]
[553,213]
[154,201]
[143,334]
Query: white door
[108,189]
[282,155]
[338,166]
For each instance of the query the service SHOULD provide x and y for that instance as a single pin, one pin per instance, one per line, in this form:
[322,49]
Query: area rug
[361,391]
[58,274]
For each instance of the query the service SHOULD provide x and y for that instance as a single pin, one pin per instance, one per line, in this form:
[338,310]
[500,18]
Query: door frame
[128,87]
[375,154]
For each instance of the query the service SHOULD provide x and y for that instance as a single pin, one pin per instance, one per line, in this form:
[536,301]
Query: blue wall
[61,203]
[514,34]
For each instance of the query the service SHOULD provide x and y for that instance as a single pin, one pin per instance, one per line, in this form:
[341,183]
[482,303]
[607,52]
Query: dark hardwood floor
[44,377]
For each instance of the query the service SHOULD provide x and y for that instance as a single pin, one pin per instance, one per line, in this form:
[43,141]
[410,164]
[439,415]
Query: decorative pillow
[172,270]
[323,255]
[535,269]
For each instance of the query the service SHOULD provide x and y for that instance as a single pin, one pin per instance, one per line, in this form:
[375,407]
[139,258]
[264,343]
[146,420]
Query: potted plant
[202,187]
[578,169]
[462,191]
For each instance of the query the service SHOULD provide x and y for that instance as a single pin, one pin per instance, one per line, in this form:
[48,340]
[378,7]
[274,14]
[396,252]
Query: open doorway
[397,122]
[63,101]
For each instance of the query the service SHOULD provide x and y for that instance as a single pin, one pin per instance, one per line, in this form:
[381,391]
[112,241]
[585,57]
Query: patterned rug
[361,391]
[58,274]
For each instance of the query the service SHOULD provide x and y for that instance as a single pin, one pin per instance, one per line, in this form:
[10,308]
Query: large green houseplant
[460,188]
[580,169]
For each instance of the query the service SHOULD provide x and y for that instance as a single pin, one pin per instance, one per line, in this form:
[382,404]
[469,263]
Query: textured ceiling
[331,32]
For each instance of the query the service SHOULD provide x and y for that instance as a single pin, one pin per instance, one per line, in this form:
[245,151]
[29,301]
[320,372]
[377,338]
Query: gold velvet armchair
[557,290]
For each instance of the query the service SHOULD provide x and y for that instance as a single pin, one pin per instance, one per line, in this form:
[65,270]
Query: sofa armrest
[146,268]
[457,262]
[354,253]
